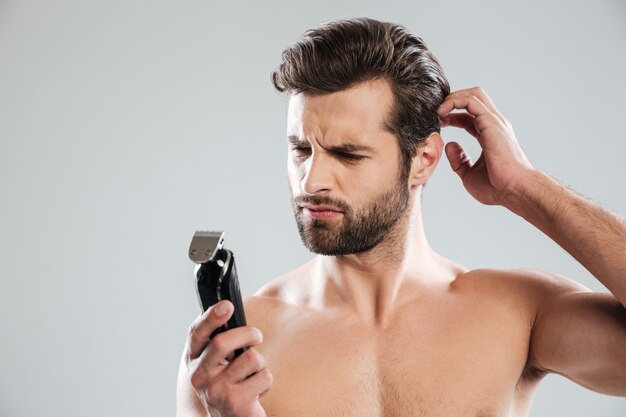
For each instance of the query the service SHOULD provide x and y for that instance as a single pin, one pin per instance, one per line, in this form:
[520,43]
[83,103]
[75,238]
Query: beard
[357,230]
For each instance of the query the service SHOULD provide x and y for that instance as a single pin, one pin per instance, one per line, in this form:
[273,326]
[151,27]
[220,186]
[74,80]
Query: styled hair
[339,54]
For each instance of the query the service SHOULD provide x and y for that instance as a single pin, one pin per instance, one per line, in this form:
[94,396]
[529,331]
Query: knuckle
[193,330]
[267,376]
[219,343]
[250,354]
[197,379]
[255,358]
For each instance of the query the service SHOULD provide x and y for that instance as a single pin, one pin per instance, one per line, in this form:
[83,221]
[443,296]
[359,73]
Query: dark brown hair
[339,54]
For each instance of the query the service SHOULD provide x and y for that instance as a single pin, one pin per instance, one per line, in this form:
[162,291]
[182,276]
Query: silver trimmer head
[204,245]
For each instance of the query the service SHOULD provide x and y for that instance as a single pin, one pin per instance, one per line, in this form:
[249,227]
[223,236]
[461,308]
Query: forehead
[358,111]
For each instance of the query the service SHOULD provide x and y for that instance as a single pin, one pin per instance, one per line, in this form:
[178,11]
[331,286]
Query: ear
[426,159]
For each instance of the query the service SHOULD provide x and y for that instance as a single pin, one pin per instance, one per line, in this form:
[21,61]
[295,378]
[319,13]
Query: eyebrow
[345,147]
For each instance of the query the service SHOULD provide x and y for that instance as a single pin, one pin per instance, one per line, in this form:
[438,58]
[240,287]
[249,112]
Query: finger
[483,118]
[462,120]
[257,385]
[459,160]
[225,343]
[246,364]
[478,92]
[470,103]
[203,326]
[483,97]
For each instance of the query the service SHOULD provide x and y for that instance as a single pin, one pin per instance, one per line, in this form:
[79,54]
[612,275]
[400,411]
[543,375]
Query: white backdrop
[127,125]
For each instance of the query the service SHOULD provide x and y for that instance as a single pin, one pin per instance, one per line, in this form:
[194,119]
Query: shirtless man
[378,324]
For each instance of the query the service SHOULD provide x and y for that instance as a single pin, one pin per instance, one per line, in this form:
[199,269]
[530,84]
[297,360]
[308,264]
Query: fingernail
[221,309]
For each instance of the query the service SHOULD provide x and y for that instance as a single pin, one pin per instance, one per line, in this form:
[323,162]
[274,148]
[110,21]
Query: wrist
[528,191]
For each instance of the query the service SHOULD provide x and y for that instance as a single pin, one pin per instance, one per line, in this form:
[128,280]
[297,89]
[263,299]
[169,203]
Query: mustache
[321,201]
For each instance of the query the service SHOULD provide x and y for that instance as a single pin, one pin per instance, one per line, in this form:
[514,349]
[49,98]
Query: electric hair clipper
[216,277]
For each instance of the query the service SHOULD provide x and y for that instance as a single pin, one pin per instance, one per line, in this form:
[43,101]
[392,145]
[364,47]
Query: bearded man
[378,324]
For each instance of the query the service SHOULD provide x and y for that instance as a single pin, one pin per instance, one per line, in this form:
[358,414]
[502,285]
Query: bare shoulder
[277,302]
[522,285]
[286,289]
[526,277]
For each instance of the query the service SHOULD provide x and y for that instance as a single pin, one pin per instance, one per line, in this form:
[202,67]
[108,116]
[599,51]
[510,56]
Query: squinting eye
[350,156]
[301,150]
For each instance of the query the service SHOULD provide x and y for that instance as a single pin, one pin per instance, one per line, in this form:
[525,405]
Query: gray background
[127,125]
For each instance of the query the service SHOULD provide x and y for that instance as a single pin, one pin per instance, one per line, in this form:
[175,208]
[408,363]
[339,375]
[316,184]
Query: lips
[320,208]
[320,212]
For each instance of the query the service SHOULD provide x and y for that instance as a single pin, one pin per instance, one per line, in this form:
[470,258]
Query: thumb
[459,160]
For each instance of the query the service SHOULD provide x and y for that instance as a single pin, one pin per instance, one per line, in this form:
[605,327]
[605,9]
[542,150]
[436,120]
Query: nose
[317,175]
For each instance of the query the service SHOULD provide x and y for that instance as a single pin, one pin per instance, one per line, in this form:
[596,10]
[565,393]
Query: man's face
[341,157]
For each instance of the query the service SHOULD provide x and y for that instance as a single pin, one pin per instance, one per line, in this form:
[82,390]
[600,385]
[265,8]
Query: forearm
[592,235]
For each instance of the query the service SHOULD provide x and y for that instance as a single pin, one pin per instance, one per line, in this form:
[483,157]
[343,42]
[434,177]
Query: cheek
[370,179]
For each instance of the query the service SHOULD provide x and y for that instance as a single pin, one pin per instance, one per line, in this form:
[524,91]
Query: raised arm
[590,233]
[577,333]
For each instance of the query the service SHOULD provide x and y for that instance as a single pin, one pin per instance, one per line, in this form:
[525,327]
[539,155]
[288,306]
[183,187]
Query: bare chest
[433,361]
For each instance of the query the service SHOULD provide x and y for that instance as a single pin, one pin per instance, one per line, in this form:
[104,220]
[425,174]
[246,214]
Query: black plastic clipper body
[217,280]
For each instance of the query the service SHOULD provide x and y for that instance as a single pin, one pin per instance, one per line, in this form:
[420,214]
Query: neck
[370,283]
